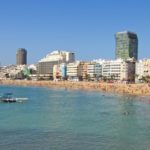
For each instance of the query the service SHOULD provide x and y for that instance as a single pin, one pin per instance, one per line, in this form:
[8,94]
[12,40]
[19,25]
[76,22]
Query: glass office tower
[126,45]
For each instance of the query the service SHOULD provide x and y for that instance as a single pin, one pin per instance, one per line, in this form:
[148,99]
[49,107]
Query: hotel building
[45,65]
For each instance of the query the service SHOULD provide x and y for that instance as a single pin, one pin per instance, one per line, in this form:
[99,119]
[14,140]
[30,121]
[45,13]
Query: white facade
[60,56]
[94,70]
[11,70]
[142,68]
[118,69]
[74,70]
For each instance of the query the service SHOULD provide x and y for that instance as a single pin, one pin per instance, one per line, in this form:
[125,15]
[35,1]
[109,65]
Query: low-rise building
[142,70]
[12,72]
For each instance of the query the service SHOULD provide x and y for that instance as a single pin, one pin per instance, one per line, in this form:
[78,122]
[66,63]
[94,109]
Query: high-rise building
[126,45]
[21,56]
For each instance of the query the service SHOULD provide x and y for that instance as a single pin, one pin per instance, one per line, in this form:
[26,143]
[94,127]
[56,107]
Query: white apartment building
[142,69]
[118,69]
[74,71]
[94,70]
[12,71]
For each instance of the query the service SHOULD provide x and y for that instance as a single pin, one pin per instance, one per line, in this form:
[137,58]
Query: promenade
[132,89]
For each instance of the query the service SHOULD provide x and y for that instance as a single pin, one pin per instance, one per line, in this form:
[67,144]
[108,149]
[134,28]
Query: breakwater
[133,89]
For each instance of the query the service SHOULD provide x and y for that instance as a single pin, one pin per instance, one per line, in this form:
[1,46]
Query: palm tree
[146,79]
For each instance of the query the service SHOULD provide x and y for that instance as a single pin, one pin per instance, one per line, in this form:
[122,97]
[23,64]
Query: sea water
[62,119]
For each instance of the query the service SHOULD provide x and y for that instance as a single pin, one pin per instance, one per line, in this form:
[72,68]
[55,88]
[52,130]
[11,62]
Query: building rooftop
[128,32]
[55,56]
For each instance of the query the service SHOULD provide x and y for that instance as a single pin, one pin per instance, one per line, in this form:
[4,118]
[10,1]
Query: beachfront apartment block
[91,70]
[142,70]
[94,70]
[126,45]
[74,71]
[84,70]
[119,69]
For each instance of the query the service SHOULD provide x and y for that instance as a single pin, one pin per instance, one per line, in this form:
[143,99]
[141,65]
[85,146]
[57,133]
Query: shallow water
[62,119]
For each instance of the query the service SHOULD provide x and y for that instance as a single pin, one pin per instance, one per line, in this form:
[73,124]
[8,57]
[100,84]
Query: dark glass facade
[126,45]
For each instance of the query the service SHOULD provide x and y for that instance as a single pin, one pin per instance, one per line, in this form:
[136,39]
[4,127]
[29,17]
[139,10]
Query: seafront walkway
[141,89]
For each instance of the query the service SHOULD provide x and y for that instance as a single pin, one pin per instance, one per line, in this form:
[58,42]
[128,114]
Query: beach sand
[132,89]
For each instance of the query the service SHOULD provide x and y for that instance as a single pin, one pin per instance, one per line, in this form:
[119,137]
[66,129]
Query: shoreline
[119,88]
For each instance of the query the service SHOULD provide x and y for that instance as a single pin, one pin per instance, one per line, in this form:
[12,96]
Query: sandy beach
[132,89]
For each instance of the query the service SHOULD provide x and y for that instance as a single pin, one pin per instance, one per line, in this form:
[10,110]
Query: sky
[85,27]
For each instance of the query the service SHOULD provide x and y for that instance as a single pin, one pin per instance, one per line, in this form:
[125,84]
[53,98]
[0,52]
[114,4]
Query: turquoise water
[59,119]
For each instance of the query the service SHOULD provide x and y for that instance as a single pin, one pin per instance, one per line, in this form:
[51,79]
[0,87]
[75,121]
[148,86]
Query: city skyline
[87,28]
